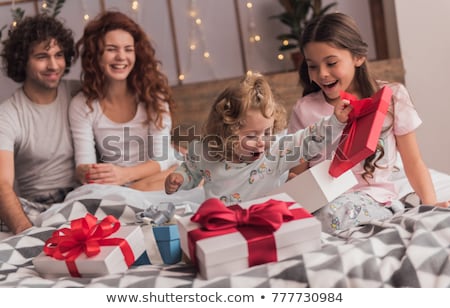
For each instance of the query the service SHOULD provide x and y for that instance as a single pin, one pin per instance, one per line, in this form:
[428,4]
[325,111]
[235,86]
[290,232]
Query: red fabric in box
[360,137]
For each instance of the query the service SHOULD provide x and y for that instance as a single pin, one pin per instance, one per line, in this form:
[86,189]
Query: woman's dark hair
[28,33]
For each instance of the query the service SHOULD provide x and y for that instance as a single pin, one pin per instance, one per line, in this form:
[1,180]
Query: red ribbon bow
[214,215]
[86,236]
[256,224]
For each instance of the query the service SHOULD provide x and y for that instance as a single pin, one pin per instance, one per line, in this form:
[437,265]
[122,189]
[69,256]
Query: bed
[409,250]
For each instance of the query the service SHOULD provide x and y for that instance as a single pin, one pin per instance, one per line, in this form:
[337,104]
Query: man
[36,152]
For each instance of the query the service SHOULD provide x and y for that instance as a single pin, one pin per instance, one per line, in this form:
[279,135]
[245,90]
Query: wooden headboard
[194,100]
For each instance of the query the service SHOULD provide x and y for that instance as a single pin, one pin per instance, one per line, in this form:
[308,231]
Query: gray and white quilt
[409,250]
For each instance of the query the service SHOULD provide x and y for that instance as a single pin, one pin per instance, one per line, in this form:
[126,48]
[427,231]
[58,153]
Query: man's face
[46,65]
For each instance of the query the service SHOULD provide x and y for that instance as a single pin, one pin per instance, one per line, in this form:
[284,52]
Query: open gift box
[160,230]
[360,137]
[86,249]
[315,187]
[228,250]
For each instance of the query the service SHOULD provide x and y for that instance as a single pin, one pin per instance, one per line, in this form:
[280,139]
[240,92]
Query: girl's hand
[173,182]
[342,110]
[106,173]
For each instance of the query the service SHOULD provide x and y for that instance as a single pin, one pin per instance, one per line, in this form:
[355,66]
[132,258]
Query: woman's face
[332,69]
[119,56]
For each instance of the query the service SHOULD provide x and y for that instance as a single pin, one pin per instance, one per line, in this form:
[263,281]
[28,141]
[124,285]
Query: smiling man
[36,152]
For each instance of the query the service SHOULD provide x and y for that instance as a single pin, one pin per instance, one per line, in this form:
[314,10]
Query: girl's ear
[359,60]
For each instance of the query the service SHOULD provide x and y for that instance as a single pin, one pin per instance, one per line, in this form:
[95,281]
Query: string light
[84,11]
[15,17]
[196,41]
[134,10]
[44,5]
[253,36]
[135,5]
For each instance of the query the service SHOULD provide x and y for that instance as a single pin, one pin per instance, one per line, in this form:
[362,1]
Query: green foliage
[53,8]
[296,15]
[17,15]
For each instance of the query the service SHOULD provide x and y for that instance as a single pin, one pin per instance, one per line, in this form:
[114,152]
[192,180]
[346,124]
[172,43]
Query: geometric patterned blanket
[409,250]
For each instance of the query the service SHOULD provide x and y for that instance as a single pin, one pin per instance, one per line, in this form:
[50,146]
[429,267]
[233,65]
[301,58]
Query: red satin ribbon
[256,224]
[86,236]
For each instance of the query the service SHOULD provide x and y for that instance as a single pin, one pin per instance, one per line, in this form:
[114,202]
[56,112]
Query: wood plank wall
[194,100]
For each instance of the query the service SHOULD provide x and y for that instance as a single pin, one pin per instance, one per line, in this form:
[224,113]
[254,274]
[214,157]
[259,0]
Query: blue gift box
[168,241]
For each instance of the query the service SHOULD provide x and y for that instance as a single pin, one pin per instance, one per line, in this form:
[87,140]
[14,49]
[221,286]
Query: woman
[121,120]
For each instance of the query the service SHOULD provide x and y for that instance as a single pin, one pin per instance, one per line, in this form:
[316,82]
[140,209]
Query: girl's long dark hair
[341,31]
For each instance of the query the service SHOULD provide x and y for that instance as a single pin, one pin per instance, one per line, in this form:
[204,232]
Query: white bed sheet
[440,180]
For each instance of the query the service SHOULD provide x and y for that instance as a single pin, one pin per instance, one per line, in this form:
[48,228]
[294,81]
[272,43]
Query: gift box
[161,231]
[162,244]
[168,241]
[88,249]
[221,240]
[315,187]
[360,137]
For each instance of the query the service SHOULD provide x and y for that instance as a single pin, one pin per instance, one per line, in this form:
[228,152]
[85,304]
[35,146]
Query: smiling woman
[121,121]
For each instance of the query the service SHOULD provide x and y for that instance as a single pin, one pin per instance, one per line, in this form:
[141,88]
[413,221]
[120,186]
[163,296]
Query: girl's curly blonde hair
[228,112]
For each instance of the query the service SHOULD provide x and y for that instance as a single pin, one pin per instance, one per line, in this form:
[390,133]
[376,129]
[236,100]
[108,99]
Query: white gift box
[315,187]
[110,260]
[226,254]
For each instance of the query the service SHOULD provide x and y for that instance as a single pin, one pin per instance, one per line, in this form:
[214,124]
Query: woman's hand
[105,173]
